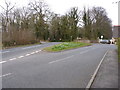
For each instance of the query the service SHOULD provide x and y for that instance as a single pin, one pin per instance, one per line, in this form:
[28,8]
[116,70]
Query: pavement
[107,76]
[30,67]
[119,75]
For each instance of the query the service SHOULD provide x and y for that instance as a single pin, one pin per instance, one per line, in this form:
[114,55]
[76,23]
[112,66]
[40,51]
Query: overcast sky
[62,6]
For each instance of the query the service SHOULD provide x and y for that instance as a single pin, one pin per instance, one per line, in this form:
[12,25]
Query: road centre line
[2,62]
[84,52]
[39,50]
[70,56]
[5,75]
[32,53]
[60,59]
[36,51]
[20,56]
[12,59]
[27,55]
[5,51]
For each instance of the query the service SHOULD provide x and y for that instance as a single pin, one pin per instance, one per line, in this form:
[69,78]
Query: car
[105,41]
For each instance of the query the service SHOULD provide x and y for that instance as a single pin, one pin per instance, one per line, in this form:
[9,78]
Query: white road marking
[5,75]
[5,51]
[36,51]
[27,55]
[12,59]
[3,62]
[32,53]
[20,56]
[60,59]
[95,73]
[39,50]
[68,57]
[84,52]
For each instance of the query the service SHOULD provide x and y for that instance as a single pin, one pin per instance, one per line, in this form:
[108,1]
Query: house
[116,31]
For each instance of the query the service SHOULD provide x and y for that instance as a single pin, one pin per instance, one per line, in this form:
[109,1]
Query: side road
[107,76]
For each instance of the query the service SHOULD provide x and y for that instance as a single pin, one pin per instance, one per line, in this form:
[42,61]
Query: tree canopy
[36,22]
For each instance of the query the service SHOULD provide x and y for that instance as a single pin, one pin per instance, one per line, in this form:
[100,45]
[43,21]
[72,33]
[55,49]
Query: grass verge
[65,46]
[118,43]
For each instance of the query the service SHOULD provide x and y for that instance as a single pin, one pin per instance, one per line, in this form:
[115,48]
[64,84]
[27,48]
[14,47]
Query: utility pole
[118,29]
[118,2]
[119,13]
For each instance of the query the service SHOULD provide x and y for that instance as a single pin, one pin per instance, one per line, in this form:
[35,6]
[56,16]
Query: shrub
[22,37]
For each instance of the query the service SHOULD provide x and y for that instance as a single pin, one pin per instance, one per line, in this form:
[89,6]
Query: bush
[22,37]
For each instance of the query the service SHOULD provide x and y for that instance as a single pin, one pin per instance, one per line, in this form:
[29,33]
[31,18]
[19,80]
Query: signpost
[101,37]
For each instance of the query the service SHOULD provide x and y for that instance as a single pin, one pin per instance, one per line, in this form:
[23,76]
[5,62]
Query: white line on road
[5,51]
[20,56]
[60,59]
[68,57]
[39,50]
[27,55]
[5,75]
[84,52]
[12,59]
[36,51]
[32,53]
[95,73]
[3,62]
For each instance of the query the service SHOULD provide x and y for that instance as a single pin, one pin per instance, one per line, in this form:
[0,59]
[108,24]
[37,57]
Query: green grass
[0,46]
[118,43]
[65,46]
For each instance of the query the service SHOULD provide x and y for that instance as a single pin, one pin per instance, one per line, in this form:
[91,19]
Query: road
[30,67]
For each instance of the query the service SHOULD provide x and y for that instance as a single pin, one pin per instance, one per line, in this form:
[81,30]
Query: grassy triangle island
[65,46]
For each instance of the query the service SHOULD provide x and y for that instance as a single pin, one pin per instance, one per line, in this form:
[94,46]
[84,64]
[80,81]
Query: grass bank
[118,43]
[0,46]
[65,46]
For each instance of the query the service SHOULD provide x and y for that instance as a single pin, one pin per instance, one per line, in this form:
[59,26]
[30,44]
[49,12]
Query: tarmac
[108,74]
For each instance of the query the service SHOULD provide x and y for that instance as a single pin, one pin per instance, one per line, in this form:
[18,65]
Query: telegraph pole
[118,13]
[118,2]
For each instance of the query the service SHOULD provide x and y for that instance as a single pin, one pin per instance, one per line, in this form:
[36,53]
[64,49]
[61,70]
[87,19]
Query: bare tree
[101,24]
[40,11]
[87,21]
[6,14]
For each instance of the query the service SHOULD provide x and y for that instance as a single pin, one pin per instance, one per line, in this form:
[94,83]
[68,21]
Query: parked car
[105,41]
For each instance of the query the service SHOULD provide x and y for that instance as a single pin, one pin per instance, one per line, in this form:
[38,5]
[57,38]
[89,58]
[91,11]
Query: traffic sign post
[101,37]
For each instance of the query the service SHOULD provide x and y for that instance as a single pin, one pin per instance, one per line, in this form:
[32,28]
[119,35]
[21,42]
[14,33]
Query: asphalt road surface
[30,67]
